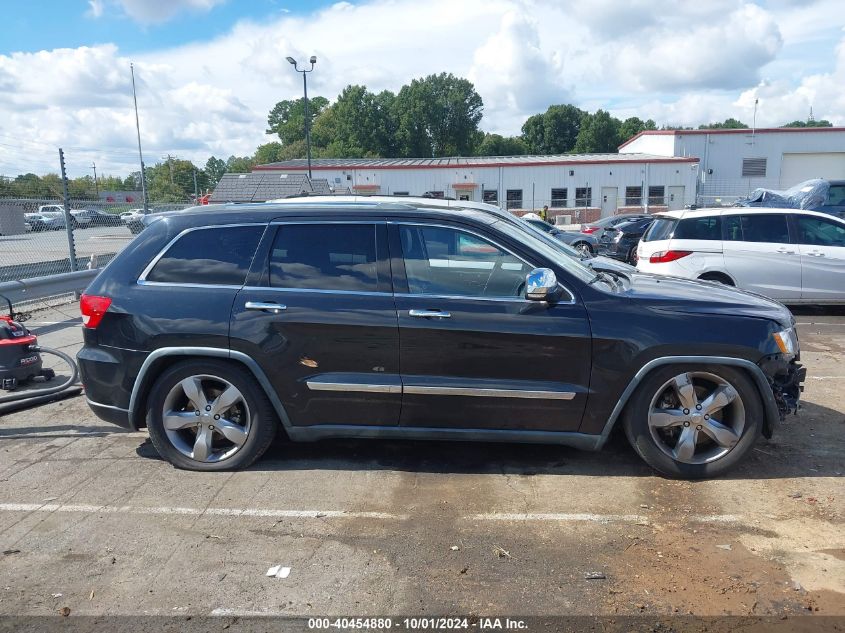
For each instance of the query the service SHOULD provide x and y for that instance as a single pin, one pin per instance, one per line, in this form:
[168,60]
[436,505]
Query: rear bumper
[108,375]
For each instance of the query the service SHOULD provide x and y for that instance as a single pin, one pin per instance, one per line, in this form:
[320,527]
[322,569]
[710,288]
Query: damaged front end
[786,377]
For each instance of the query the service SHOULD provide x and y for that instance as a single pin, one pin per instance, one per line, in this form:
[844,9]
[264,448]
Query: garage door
[798,167]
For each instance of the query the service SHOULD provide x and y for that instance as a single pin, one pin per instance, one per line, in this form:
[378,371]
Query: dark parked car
[584,255]
[101,218]
[620,242]
[226,324]
[598,228]
[586,244]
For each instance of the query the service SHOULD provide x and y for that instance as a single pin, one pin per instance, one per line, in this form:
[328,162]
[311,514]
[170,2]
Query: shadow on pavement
[791,453]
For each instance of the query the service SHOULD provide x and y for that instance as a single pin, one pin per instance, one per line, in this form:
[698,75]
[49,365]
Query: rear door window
[660,229]
[209,256]
[758,227]
[325,257]
[709,228]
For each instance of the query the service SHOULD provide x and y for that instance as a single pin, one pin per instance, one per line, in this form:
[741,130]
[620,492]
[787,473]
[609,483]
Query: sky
[209,71]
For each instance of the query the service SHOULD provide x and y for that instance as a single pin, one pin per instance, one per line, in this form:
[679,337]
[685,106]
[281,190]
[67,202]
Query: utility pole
[169,160]
[196,191]
[71,247]
[140,154]
[96,184]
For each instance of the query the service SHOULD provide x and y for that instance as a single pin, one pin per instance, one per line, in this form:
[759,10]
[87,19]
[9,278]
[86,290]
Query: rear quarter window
[209,256]
[660,229]
[709,228]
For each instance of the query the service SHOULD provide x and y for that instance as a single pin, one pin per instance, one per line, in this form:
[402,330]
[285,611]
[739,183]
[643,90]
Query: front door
[676,198]
[821,242]
[475,354]
[319,319]
[608,201]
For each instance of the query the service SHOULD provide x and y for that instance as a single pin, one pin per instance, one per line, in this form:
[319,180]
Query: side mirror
[541,285]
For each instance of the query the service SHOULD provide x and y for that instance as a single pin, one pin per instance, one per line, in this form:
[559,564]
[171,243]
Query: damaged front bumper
[786,377]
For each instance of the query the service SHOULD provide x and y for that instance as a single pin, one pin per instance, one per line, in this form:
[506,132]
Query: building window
[559,197]
[514,198]
[401,193]
[633,196]
[491,196]
[753,167]
[657,195]
[583,196]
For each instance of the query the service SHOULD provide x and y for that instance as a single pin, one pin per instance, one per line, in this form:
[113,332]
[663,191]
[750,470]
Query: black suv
[221,325]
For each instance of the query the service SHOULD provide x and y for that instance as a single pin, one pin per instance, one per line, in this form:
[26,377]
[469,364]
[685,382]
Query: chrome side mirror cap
[541,285]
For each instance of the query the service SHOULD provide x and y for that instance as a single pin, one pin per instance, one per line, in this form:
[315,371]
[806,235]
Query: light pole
[312,60]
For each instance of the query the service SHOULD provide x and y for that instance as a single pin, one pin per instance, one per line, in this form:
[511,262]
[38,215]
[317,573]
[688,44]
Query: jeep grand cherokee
[219,327]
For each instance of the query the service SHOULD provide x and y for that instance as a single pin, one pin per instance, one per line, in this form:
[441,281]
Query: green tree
[498,145]
[599,134]
[214,170]
[239,164]
[437,116]
[810,123]
[271,152]
[173,181]
[554,131]
[287,118]
[727,124]
[632,126]
[359,123]
[133,181]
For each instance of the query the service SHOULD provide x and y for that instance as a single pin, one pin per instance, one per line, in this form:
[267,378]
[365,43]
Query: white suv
[792,255]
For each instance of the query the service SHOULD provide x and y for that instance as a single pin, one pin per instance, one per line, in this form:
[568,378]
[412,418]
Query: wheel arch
[159,360]
[708,275]
[752,370]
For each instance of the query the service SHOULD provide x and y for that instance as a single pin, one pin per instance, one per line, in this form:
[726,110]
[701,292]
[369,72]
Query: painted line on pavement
[171,510]
[560,516]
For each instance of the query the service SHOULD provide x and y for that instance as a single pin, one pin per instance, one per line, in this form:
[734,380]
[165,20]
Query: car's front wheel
[209,415]
[583,248]
[694,421]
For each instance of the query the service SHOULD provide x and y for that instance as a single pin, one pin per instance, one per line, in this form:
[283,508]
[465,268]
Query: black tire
[639,434]
[264,422]
[718,278]
[632,256]
[584,247]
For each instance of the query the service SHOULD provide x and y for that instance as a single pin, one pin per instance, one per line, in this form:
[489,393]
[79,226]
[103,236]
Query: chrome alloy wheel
[584,248]
[206,418]
[696,417]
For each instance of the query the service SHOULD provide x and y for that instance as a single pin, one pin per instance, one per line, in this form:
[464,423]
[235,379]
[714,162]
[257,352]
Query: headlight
[786,341]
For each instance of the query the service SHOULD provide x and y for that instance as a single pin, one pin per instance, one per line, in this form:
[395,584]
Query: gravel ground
[93,521]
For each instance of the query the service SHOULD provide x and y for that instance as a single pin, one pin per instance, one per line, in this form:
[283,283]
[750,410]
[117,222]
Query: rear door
[760,255]
[821,242]
[318,317]
[475,353]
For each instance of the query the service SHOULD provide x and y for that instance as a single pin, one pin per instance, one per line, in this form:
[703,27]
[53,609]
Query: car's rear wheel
[209,415]
[717,277]
[694,421]
[632,256]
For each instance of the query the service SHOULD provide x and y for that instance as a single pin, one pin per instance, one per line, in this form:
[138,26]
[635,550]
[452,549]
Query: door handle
[816,254]
[429,314]
[273,308]
[786,251]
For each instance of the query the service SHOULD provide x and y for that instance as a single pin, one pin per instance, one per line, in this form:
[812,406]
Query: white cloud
[152,11]
[679,63]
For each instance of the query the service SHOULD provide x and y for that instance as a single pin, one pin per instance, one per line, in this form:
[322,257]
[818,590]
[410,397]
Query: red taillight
[589,229]
[662,257]
[93,308]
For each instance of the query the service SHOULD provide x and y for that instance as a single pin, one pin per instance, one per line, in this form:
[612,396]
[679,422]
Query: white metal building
[583,186]
[735,162]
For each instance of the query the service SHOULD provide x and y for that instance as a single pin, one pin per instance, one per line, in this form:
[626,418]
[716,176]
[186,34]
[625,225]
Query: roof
[258,187]
[468,162]
[744,130]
